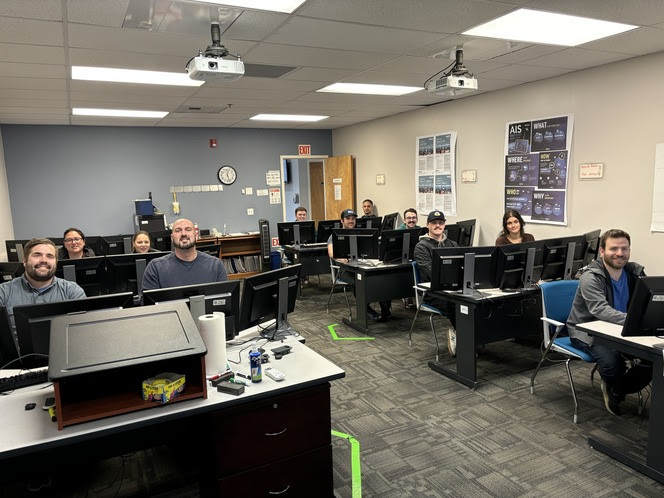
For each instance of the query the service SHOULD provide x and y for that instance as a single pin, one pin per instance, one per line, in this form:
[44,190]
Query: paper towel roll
[213,331]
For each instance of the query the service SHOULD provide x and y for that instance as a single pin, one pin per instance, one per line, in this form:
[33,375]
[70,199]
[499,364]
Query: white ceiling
[398,42]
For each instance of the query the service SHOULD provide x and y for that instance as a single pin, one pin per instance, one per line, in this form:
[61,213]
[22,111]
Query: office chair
[334,271]
[420,293]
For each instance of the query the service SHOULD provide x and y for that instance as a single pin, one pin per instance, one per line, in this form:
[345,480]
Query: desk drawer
[271,430]
[306,475]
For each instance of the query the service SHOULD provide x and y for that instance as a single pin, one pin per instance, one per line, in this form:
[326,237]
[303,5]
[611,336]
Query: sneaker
[410,303]
[611,401]
[451,341]
[371,313]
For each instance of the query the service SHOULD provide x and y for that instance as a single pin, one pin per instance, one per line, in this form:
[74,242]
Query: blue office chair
[557,298]
[420,293]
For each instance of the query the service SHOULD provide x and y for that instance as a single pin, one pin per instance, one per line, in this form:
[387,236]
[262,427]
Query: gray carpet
[422,434]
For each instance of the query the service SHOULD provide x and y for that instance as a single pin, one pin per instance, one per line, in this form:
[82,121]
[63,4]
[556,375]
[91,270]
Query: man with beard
[38,284]
[185,265]
[604,292]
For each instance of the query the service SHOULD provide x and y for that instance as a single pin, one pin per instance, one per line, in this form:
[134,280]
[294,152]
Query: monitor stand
[296,235]
[352,242]
[69,272]
[281,327]
[197,307]
[405,247]
[529,269]
[569,260]
[468,273]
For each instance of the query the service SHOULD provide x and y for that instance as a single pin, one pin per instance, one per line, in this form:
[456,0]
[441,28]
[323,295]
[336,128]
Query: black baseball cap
[347,213]
[435,215]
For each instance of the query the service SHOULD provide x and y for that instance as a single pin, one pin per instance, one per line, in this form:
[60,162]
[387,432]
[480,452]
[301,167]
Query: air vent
[200,109]
[266,70]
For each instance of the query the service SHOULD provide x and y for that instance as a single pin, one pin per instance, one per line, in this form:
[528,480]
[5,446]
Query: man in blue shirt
[185,265]
[605,288]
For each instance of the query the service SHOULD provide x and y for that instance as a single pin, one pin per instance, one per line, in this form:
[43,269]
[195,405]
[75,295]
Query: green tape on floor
[356,473]
[334,335]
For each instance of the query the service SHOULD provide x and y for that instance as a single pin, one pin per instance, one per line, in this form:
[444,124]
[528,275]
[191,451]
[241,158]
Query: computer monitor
[558,257]
[15,249]
[204,299]
[452,232]
[371,222]
[398,245]
[270,295]
[211,249]
[389,222]
[294,233]
[33,323]
[645,315]
[466,232]
[114,244]
[10,270]
[89,273]
[325,229]
[463,269]
[124,272]
[161,240]
[518,265]
[355,243]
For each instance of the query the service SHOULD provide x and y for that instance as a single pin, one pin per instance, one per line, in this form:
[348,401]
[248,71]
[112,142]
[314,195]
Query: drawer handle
[276,433]
[279,492]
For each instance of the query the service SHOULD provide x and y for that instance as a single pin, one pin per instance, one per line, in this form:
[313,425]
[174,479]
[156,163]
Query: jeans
[612,366]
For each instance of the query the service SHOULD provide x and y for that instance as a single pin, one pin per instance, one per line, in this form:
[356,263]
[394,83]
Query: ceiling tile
[48,10]
[29,31]
[98,12]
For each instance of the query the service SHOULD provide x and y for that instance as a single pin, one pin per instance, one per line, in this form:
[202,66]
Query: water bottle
[255,363]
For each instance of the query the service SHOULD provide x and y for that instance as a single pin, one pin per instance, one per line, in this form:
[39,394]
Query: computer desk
[484,318]
[284,428]
[376,282]
[314,260]
[640,347]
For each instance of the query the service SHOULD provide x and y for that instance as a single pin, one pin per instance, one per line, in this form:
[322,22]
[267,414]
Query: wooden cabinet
[238,252]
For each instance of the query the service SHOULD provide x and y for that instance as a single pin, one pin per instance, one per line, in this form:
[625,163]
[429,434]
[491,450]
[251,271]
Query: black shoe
[611,401]
[371,313]
[385,315]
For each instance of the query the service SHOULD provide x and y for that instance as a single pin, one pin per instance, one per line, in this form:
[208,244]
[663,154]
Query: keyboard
[23,380]
[314,244]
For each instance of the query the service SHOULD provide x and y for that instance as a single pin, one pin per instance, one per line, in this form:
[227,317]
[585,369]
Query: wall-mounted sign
[304,150]
[591,171]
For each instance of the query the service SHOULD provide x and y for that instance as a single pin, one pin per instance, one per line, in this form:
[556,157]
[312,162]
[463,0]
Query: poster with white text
[435,173]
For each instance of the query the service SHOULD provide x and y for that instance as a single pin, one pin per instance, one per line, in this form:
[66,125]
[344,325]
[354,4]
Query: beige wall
[618,118]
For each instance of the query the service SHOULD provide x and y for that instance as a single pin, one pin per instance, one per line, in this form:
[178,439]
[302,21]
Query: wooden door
[316,191]
[339,186]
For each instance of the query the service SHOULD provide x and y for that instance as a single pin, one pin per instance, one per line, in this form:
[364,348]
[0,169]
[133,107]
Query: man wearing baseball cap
[423,254]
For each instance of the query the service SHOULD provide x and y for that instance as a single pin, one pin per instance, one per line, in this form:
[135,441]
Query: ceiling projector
[204,68]
[452,85]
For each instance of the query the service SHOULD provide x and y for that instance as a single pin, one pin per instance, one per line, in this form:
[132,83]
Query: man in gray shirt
[185,265]
[38,284]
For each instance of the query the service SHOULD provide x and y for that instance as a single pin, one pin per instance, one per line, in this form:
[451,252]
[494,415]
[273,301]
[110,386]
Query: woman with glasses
[74,245]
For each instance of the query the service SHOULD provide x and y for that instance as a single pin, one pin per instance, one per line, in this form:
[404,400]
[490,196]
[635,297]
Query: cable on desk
[22,357]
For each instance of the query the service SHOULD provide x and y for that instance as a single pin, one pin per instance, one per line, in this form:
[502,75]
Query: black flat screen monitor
[557,261]
[589,252]
[10,270]
[211,249]
[33,323]
[355,243]
[161,240]
[115,244]
[15,249]
[513,269]
[389,222]
[296,232]
[645,315]
[449,271]
[325,229]
[124,272]
[89,273]
[466,232]
[453,232]
[204,299]
[398,245]
[270,295]
[374,222]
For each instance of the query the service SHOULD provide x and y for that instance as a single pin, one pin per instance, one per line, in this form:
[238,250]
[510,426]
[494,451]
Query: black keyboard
[23,380]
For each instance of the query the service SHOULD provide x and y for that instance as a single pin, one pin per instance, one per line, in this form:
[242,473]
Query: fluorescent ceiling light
[549,28]
[132,76]
[286,6]
[287,117]
[367,89]
[82,111]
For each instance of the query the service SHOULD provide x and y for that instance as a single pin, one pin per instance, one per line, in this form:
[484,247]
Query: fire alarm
[213,143]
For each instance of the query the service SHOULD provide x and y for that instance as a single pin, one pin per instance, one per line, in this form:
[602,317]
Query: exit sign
[304,150]
[275,242]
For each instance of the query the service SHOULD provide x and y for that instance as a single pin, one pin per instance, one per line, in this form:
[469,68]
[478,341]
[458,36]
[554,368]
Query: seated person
[367,207]
[141,242]
[423,254]
[74,245]
[300,213]
[348,218]
[604,292]
[185,265]
[512,232]
[410,219]
[38,284]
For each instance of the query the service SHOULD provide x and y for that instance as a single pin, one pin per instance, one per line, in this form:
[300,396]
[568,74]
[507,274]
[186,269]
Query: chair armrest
[553,322]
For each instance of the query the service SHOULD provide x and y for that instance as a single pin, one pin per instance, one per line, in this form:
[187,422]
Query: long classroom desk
[641,347]
[314,259]
[486,317]
[373,283]
[280,429]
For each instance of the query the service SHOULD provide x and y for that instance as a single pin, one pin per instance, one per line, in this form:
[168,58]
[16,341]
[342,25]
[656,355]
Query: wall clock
[227,175]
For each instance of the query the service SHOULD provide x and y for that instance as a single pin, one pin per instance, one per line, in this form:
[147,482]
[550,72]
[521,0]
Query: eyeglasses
[411,218]
[72,239]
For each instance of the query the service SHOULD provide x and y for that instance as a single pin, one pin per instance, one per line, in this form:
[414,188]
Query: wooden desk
[376,283]
[486,318]
[285,430]
[640,347]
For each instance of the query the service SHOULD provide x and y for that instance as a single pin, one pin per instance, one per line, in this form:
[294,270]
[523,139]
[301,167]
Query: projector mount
[455,69]
[216,50]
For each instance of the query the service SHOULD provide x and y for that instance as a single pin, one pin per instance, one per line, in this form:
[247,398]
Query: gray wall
[61,176]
